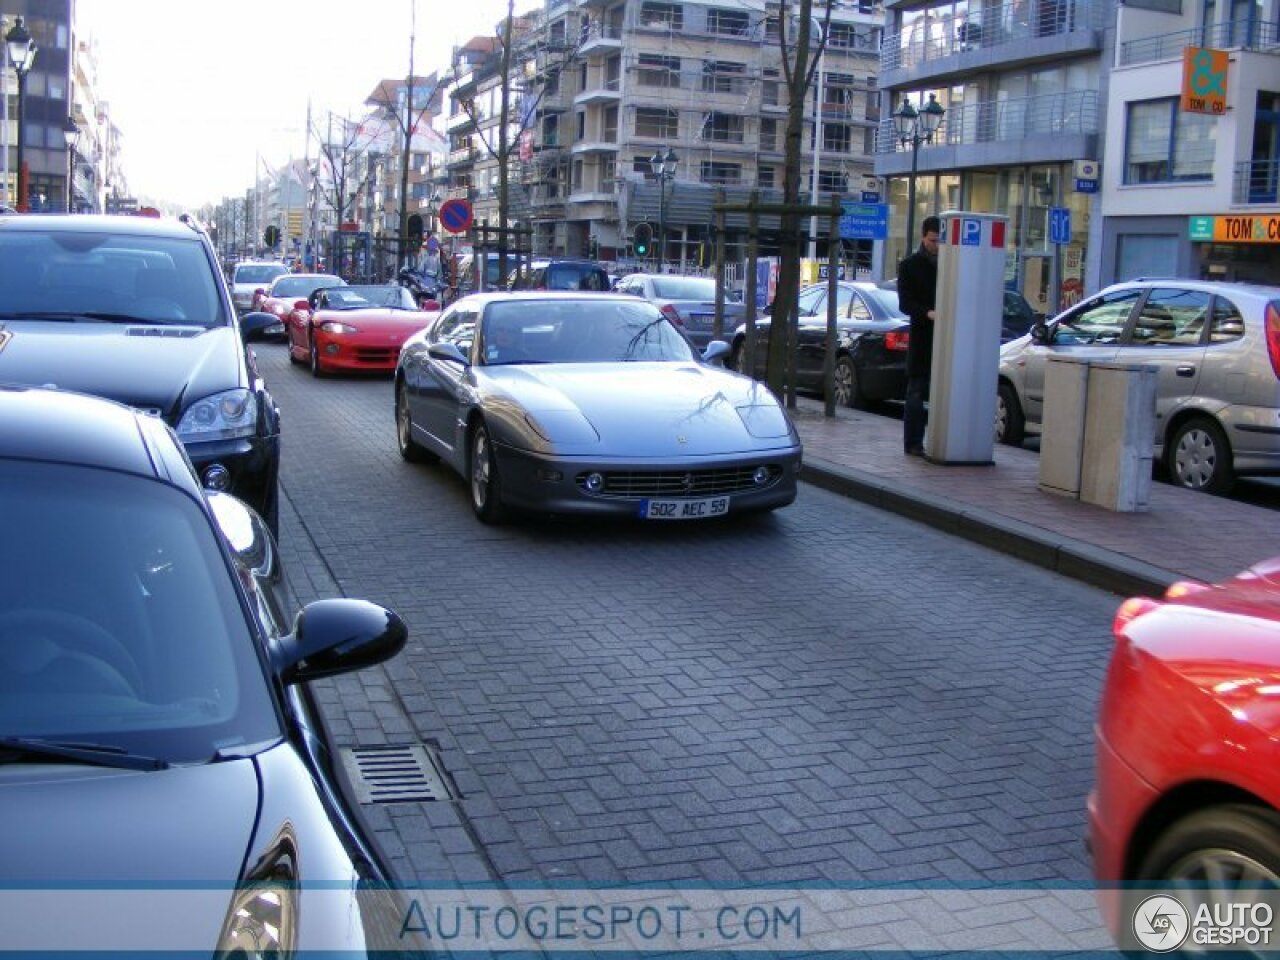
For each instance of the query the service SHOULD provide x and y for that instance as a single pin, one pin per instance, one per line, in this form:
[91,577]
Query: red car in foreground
[1188,767]
[355,328]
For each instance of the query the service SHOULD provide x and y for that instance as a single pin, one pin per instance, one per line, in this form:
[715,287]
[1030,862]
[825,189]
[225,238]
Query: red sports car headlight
[333,326]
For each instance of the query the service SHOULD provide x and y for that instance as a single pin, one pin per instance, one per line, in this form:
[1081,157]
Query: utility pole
[408,140]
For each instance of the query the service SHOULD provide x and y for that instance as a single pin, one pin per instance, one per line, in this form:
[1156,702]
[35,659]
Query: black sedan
[871,343]
[156,735]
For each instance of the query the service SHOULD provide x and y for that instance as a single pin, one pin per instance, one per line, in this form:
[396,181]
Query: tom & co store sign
[1244,228]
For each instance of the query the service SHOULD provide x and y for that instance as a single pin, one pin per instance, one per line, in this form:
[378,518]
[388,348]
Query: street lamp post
[664,168]
[22,53]
[72,134]
[915,127]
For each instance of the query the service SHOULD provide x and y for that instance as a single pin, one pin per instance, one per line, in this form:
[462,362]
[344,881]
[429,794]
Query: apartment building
[46,106]
[604,85]
[1024,85]
[1193,192]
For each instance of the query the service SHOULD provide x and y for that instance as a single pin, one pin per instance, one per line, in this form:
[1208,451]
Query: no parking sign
[456,215]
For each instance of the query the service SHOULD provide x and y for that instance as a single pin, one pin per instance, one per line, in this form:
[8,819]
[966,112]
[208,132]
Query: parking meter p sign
[456,215]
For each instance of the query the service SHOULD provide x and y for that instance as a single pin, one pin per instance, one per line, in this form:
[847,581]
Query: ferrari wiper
[14,749]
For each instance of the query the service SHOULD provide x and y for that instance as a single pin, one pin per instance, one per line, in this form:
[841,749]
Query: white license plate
[683,509]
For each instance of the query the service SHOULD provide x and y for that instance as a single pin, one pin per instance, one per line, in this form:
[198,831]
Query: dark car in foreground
[135,309]
[157,737]
[1187,794]
[872,334]
[688,302]
[577,403]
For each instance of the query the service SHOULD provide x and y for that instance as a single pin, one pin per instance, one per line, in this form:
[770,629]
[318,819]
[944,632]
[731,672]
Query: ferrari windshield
[600,330]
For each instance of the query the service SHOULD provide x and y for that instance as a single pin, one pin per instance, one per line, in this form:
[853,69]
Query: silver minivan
[1216,347]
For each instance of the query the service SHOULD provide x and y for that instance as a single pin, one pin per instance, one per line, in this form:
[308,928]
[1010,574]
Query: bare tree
[337,163]
[508,132]
[799,64]
[407,124]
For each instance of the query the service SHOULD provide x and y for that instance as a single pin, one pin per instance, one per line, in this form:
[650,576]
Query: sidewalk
[1184,535]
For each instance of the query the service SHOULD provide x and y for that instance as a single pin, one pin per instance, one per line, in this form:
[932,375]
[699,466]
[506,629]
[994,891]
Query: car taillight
[672,314]
[1273,335]
[897,340]
[1130,611]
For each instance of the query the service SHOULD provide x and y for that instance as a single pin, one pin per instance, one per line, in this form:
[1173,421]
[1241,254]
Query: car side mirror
[431,306]
[256,326]
[446,351]
[337,636]
[716,350]
[1039,332]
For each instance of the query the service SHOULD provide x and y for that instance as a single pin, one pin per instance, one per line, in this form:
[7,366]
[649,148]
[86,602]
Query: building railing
[997,120]
[994,26]
[1256,181]
[1262,37]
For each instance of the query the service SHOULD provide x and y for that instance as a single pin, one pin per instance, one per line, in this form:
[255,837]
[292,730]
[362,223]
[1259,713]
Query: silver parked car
[248,277]
[688,302]
[1216,347]
[573,402]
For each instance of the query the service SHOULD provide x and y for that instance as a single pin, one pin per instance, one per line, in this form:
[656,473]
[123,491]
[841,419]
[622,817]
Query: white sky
[200,89]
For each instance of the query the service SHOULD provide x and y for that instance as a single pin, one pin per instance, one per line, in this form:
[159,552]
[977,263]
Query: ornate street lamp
[664,168]
[915,127]
[22,53]
[72,134]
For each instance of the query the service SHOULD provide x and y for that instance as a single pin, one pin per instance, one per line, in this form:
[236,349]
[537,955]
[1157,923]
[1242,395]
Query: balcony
[458,121]
[1011,32]
[603,38]
[606,144]
[465,155]
[610,91]
[1258,37]
[1256,181]
[1050,128]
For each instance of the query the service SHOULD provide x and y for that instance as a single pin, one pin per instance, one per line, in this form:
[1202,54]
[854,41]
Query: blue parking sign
[1059,225]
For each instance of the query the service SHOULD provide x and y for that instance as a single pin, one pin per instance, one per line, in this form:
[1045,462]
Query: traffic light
[271,235]
[642,239]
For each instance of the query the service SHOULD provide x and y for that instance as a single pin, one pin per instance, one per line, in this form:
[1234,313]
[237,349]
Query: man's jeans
[913,413]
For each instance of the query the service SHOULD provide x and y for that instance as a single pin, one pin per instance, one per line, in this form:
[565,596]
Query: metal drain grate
[399,774]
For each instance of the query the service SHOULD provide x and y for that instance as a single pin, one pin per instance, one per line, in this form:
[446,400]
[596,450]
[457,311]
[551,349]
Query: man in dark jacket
[917,292]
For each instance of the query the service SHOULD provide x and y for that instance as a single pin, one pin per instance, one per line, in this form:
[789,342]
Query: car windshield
[259,272]
[300,287]
[685,288]
[119,622]
[364,297]
[71,274]
[574,331]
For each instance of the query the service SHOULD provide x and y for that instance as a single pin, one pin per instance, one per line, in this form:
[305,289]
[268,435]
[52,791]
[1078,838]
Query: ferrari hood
[644,410]
[147,366]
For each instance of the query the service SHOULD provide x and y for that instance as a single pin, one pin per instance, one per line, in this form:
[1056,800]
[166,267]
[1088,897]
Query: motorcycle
[425,290]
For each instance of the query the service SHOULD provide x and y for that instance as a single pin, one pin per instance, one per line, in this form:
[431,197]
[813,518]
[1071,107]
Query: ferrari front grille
[681,483]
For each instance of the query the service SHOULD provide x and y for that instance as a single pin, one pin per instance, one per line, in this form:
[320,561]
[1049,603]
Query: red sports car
[1188,767]
[288,294]
[355,328]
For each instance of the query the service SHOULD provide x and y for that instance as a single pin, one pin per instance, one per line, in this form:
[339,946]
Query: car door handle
[1185,370]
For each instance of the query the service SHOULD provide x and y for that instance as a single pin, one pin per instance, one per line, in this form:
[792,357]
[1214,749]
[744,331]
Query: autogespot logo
[1161,923]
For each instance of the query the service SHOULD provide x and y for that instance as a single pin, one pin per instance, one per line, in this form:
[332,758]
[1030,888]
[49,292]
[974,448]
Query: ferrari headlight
[333,326]
[262,921]
[223,416]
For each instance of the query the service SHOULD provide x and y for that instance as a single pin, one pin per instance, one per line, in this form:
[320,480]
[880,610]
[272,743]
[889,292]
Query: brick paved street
[829,693]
